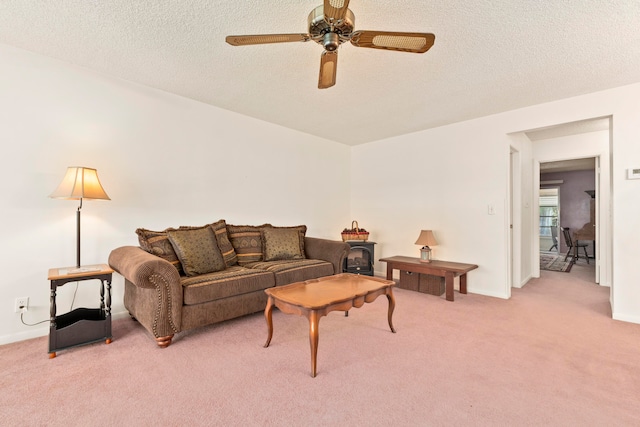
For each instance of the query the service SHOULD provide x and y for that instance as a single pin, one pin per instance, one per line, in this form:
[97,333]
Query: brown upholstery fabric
[153,294]
[197,315]
[333,251]
[233,281]
[303,231]
[247,242]
[290,271]
[157,243]
[281,243]
[222,236]
[197,250]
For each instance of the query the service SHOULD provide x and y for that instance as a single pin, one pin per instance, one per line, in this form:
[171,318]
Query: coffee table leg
[392,306]
[313,339]
[267,315]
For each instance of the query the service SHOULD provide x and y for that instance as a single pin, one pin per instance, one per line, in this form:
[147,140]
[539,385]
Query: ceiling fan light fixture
[331,41]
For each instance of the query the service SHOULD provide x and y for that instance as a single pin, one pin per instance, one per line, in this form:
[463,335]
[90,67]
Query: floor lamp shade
[80,183]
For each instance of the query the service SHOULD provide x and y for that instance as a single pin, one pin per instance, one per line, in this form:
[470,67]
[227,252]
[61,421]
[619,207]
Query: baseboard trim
[626,318]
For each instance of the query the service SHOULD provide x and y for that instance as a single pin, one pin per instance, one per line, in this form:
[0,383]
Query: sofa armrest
[333,251]
[159,311]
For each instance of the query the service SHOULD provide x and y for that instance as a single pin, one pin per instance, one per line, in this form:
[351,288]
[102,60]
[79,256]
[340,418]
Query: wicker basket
[355,233]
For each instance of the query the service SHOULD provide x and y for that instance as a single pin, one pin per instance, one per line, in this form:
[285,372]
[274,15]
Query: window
[548,211]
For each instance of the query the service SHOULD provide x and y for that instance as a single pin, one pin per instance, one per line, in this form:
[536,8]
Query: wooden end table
[316,298]
[81,325]
[446,269]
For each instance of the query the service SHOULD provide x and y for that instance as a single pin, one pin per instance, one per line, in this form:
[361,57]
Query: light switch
[491,210]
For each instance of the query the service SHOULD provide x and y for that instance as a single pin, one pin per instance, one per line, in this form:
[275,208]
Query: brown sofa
[184,278]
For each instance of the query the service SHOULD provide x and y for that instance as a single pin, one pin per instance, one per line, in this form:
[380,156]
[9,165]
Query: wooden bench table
[448,270]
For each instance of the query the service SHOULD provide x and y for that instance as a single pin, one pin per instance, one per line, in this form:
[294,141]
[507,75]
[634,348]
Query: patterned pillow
[247,242]
[281,243]
[228,252]
[197,250]
[222,237]
[303,231]
[158,244]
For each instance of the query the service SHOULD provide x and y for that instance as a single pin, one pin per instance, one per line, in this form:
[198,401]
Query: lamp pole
[78,234]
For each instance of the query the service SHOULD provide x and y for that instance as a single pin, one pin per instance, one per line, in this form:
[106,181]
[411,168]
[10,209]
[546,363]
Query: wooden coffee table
[316,298]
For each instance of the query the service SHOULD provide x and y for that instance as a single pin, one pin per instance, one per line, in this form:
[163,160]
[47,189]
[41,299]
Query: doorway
[567,202]
[566,142]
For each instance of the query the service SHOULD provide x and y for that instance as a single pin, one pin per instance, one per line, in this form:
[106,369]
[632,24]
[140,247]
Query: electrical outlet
[22,304]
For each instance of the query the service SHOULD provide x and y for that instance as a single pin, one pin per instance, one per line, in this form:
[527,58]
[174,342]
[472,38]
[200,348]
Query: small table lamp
[426,239]
[79,183]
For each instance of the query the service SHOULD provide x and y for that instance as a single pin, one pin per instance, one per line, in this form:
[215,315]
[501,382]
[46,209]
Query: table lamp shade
[80,183]
[426,238]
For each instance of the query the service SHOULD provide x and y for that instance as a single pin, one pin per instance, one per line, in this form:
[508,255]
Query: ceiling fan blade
[335,10]
[328,67]
[389,40]
[266,38]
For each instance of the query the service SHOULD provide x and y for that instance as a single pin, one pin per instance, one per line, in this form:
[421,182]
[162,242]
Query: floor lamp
[80,183]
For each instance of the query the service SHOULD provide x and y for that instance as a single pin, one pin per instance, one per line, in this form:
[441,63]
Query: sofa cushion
[297,270]
[247,242]
[303,231]
[197,250]
[222,236]
[233,281]
[281,244]
[157,243]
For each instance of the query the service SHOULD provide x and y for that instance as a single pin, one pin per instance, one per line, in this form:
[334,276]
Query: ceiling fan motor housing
[330,34]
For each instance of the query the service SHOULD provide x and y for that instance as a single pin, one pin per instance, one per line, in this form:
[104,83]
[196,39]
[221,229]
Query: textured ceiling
[489,56]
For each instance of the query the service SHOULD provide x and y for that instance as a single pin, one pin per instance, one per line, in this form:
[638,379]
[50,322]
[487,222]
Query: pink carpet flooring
[549,356]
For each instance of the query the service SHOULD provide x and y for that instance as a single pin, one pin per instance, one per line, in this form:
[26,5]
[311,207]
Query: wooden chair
[574,246]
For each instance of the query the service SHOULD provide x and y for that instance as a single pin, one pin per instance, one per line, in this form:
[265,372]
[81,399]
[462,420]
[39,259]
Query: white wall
[164,161]
[445,178]
[442,179]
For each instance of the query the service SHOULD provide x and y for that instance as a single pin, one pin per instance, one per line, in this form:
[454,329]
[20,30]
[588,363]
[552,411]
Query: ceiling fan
[330,25]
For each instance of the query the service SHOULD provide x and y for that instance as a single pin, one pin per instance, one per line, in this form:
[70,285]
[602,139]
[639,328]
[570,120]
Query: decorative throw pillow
[222,238]
[158,244]
[197,250]
[281,243]
[228,252]
[302,229]
[247,242]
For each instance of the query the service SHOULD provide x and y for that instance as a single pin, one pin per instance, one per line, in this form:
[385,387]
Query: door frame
[602,246]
